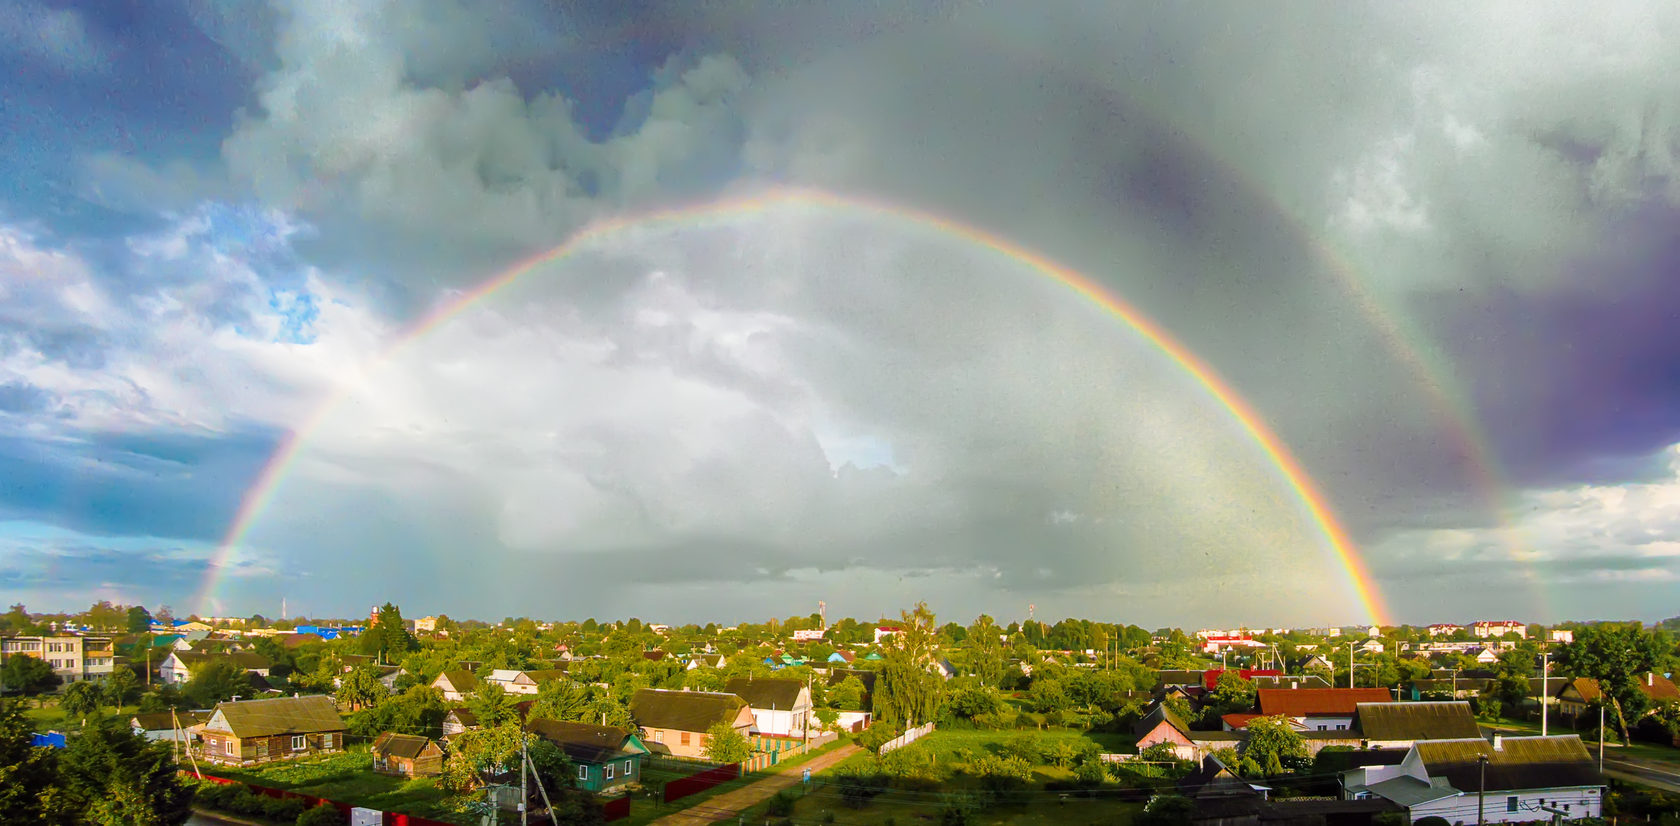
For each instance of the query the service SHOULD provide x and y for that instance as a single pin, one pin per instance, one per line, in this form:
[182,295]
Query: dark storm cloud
[166,484]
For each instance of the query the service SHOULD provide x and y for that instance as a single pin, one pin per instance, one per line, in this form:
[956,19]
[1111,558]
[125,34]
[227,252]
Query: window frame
[583,772]
[629,768]
[1511,803]
[299,742]
[609,774]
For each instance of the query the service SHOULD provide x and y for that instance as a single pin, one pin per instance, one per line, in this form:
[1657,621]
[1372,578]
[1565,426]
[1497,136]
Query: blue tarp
[51,740]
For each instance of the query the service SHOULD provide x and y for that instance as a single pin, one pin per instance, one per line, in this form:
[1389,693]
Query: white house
[1524,778]
[1499,628]
[456,684]
[178,667]
[780,707]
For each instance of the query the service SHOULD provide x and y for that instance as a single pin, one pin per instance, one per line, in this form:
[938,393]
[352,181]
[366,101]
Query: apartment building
[72,658]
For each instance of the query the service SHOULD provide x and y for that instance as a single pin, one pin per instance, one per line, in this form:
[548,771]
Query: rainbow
[1318,509]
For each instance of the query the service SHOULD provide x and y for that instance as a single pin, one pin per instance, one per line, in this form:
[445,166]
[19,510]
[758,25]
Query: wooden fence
[617,808]
[700,781]
[908,737]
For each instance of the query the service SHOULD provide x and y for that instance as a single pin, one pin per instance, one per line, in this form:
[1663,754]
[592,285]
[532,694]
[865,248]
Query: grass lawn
[50,717]
[944,743]
[906,808]
[644,809]
[348,777]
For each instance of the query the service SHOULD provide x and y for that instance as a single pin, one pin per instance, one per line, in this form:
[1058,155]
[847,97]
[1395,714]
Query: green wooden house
[605,757]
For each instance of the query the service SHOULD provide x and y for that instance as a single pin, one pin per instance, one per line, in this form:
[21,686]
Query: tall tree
[115,777]
[1274,745]
[1618,657]
[388,638]
[493,706]
[216,681]
[361,688]
[29,676]
[80,699]
[139,619]
[28,774]
[726,745]
[906,691]
[984,643]
[120,686]
[562,700]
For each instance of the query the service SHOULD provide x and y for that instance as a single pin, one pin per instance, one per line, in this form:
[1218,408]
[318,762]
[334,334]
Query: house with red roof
[1319,709]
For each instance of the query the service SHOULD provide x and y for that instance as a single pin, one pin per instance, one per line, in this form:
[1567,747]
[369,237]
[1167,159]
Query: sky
[246,355]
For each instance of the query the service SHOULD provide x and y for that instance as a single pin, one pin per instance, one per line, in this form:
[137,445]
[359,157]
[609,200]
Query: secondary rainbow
[261,492]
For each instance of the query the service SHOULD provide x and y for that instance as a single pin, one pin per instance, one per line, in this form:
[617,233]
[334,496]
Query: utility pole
[524,810]
[1481,789]
[1545,686]
[1601,737]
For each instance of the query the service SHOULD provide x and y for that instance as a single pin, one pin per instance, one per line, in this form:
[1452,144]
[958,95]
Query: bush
[278,809]
[781,805]
[322,815]
[876,736]
[1031,748]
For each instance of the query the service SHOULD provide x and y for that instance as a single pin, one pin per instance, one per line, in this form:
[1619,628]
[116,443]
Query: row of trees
[107,775]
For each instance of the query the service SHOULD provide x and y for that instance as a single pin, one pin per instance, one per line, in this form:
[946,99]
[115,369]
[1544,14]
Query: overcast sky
[1436,247]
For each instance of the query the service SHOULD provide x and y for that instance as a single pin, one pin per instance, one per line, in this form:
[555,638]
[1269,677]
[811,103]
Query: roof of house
[582,742]
[684,710]
[161,720]
[1156,716]
[1176,677]
[281,715]
[1307,702]
[460,679]
[1210,677]
[1289,681]
[467,718]
[407,746]
[1241,720]
[766,693]
[244,660]
[1409,791]
[1655,686]
[1519,762]
[1443,720]
[295,640]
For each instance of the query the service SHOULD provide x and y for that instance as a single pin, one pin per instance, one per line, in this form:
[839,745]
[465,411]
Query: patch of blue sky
[298,311]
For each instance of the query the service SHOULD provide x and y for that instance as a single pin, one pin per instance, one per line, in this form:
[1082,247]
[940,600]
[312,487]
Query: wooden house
[248,732]
[406,755]
[604,757]
[677,721]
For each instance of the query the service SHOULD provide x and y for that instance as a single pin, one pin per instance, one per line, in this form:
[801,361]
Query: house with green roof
[605,757]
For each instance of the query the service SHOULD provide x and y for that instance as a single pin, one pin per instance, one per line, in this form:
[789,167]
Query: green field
[45,715]
[946,743]
[645,809]
[348,777]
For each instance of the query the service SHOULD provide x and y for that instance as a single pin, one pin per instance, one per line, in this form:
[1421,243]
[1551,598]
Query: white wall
[1582,802]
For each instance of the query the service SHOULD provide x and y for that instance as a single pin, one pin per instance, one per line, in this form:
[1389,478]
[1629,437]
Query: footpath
[729,805]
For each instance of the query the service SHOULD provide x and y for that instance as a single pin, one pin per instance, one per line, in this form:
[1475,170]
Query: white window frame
[227,746]
[299,742]
[629,768]
[609,774]
[583,772]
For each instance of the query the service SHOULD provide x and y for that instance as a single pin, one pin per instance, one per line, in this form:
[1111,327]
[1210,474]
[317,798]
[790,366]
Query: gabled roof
[1519,762]
[1307,702]
[1156,716]
[244,660]
[585,743]
[766,693]
[1409,791]
[281,715]
[1167,677]
[1442,720]
[295,640]
[460,679]
[1654,685]
[406,746]
[684,710]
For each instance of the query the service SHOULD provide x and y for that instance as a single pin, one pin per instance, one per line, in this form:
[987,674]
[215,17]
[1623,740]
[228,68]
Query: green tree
[117,778]
[214,682]
[726,745]
[361,688]
[493,706]
[28,775]
[80,699]
[847,695]
[1274,745]
[906,691]
[562,700]
[119,688]
[388,639]
[139,619]
[29,676]
[1617,656]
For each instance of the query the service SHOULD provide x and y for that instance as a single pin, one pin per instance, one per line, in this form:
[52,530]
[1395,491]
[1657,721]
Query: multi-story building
[1499,629]
[72,658]
[1444,629]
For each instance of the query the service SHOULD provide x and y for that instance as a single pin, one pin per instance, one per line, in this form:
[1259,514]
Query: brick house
[249,732]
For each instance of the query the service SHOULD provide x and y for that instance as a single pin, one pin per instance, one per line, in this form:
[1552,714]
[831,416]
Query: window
[1323,728]
[627,768]
[1341,727]
[583,772]
[326,741]
[227,746]
[609,771]
[298,742]
[685,738]
[658,735]
[1510,804]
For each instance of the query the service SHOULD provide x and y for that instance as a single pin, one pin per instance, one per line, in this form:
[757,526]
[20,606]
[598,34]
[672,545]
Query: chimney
[1498,742]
